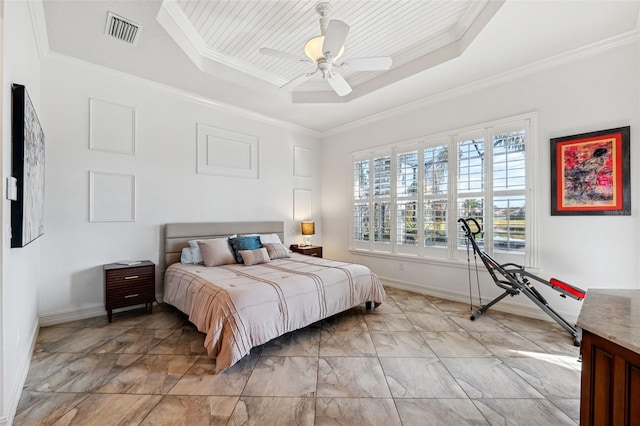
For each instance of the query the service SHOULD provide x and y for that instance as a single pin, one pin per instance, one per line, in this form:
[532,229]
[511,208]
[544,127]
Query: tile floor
[416,360]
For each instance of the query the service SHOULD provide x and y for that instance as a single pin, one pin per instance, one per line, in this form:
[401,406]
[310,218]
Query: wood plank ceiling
[402,29]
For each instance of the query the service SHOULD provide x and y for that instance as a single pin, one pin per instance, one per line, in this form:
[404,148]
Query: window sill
[411,258]
[449,263]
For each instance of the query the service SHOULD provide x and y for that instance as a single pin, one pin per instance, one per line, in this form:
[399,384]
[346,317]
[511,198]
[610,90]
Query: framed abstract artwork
[27,162]
[590,174]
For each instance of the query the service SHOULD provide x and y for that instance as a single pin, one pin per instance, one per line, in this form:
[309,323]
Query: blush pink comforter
[239,307]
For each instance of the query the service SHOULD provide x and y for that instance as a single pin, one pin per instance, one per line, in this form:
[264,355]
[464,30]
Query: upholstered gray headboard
[177,235]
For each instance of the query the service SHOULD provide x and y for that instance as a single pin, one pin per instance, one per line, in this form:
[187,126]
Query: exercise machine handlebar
[467,229]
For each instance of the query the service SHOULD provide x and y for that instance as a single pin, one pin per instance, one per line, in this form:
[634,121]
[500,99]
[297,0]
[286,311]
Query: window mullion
[420,200]
[488,190]
[371,203]
[530,126]
[393,202]
[452,199]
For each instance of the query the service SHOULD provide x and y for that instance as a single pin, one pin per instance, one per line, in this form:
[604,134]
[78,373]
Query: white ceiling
[209,48]
[232,32]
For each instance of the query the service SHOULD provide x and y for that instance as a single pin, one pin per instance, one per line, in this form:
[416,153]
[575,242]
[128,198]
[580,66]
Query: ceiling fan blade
[298,80]
[334,37]
[339,84]
[282,55]
[368,64]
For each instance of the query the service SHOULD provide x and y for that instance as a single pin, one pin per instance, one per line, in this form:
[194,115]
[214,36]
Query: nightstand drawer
[130,275]
[118,297]
[308,250]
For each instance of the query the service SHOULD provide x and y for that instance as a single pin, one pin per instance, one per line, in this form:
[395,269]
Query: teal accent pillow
[244,243]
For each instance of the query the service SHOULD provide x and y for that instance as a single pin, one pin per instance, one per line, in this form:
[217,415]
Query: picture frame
[27,162]
[590,174]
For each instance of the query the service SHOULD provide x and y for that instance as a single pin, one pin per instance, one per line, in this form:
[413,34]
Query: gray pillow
[216,251]
[254,257]
[277,250]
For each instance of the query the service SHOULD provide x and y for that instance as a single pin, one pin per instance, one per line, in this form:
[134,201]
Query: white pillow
[196,255]
[266,238]
[186,257]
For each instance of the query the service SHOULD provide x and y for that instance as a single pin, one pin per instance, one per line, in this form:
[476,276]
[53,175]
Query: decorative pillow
[186,257]
[216,252]
[195,250]
[277,250]
[244,243]
[254,257]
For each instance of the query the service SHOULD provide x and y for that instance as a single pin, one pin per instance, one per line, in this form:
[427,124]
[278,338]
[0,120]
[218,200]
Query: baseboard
[15,392]
[82,313]
[71,315]
[506,305]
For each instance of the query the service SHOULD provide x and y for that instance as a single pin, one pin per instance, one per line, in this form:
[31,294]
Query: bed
[241,306]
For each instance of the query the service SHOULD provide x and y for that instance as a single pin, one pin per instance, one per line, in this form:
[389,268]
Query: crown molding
[39,24]
[183,94]
[181,30]
[575,55]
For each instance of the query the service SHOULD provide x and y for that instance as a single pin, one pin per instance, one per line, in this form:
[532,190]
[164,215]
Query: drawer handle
[131,295]
[132,277]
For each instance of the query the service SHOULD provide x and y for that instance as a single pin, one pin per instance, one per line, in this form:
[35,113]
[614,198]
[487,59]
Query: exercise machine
[513,279]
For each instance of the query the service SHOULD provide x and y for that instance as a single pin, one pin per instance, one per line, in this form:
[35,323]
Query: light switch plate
[12,188]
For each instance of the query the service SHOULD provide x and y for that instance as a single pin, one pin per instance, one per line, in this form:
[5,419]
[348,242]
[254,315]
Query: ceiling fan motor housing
[323,10]
[325,66]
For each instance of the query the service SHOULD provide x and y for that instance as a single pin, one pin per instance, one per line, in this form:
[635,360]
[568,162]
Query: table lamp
[308,229]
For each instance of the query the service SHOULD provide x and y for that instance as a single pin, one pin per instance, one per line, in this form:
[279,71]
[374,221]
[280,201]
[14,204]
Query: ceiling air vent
[122,28]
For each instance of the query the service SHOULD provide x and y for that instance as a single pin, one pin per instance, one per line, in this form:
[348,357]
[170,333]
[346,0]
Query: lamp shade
[308,228]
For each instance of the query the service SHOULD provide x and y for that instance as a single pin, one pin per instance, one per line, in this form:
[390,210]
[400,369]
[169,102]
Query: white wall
[595,93]
[168,188]
[20,266]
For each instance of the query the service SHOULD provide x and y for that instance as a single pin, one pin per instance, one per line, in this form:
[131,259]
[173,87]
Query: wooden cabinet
[308,250]
[128,285]
[610,384]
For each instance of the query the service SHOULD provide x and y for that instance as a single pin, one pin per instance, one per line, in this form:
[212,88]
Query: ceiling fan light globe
[313,49]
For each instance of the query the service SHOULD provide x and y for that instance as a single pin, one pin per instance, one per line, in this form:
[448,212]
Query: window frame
[452,253]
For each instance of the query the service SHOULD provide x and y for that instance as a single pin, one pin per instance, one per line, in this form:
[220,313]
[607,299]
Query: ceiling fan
[324,50]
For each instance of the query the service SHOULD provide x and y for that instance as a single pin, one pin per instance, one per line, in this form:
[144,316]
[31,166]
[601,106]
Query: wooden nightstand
[308,250]
[127,285]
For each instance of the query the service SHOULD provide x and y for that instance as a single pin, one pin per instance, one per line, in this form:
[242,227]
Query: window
[407,198]
[381,199]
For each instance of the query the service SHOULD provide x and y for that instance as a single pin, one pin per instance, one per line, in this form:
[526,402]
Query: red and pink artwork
[590,173]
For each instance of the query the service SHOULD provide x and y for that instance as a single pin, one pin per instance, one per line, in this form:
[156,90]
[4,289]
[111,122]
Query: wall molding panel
[112,127]
[112,197]
[302,162]
[302,204]
[223,152]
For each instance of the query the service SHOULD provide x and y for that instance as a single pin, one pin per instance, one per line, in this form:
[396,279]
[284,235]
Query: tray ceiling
[415,34]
